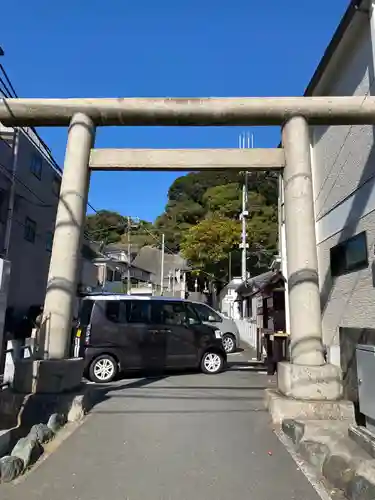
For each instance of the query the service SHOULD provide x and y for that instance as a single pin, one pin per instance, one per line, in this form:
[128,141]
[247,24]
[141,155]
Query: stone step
[282,407]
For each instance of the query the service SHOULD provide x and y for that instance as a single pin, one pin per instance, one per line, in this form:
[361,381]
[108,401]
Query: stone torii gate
[307,377]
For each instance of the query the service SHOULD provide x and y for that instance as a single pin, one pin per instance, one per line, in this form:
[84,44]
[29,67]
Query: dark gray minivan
[123,332]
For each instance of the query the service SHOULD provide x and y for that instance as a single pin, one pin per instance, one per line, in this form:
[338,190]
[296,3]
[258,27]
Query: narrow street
[188,436]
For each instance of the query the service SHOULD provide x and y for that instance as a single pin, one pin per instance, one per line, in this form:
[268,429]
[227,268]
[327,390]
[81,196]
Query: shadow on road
[124,390]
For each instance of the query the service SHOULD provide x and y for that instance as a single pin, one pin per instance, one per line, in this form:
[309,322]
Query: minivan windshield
[205,313]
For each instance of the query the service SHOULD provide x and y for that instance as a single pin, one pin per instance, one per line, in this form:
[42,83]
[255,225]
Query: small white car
[208,315]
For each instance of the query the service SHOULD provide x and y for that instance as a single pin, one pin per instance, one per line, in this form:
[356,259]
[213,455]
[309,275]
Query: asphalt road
[180,437]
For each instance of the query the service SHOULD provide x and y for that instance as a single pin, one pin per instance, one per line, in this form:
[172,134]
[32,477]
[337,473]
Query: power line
[11,93]
[43,203]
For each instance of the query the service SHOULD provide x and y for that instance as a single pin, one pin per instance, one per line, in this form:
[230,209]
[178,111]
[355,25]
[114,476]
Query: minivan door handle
[153,331]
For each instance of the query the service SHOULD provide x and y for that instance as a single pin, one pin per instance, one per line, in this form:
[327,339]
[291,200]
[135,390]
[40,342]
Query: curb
[36,421]
[335,457]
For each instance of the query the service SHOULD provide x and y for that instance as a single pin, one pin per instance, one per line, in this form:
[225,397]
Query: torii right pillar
[308,387]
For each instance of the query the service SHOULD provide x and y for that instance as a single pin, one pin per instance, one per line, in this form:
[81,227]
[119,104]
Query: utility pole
[244,142]
[243,233]
[162,264]
[129,258]
[230,267]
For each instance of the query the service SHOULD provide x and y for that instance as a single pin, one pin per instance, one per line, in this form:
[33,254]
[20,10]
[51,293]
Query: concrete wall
[344,185]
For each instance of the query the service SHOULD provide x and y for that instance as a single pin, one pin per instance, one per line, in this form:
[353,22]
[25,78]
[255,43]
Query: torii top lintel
[212,111]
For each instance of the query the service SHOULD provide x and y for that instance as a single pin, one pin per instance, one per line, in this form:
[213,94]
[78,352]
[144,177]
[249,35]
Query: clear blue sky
[148,48]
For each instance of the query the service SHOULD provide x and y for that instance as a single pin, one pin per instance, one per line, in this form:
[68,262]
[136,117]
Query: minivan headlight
[218,334]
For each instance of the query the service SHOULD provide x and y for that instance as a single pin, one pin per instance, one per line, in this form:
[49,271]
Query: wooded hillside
[201,220]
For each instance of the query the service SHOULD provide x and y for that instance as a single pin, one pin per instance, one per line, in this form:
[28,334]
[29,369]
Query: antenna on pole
[162,264]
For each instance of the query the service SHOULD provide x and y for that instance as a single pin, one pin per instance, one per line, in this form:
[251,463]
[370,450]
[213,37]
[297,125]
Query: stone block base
[19,412]
[282,407]
[312,383]
[337,459]
[47,376]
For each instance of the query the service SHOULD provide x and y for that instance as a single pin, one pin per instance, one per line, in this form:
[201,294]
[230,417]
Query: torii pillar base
[47,376]
[308,393]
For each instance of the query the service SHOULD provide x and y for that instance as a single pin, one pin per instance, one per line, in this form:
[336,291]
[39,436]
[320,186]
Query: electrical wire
[9,92]
[43,204]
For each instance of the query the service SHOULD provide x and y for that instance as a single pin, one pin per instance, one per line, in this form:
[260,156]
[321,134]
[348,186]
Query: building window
[350,255]
[49,241]
[56,185]
[36,166]
[30,230]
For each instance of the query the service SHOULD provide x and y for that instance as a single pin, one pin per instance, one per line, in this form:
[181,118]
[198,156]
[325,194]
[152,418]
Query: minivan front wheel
[229,343]
[103,369]
[212,362]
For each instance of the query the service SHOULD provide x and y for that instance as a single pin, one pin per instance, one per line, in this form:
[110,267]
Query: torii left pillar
[54,372]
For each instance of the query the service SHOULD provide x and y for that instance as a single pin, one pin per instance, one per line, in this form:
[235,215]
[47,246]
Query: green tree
[105,226]
[193,185]
[207,245]
[178,217]
[224,199]
[111,227]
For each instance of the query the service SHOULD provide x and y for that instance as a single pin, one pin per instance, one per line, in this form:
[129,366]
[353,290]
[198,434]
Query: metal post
[302,262]
[65,259]
[8,230]
[162,265]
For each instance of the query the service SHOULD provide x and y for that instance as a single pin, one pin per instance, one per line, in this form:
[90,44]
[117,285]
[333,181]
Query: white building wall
[344,184]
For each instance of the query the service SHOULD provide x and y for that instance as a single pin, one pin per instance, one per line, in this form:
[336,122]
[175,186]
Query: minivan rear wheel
[103,369]
[229,343]
[212,362]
